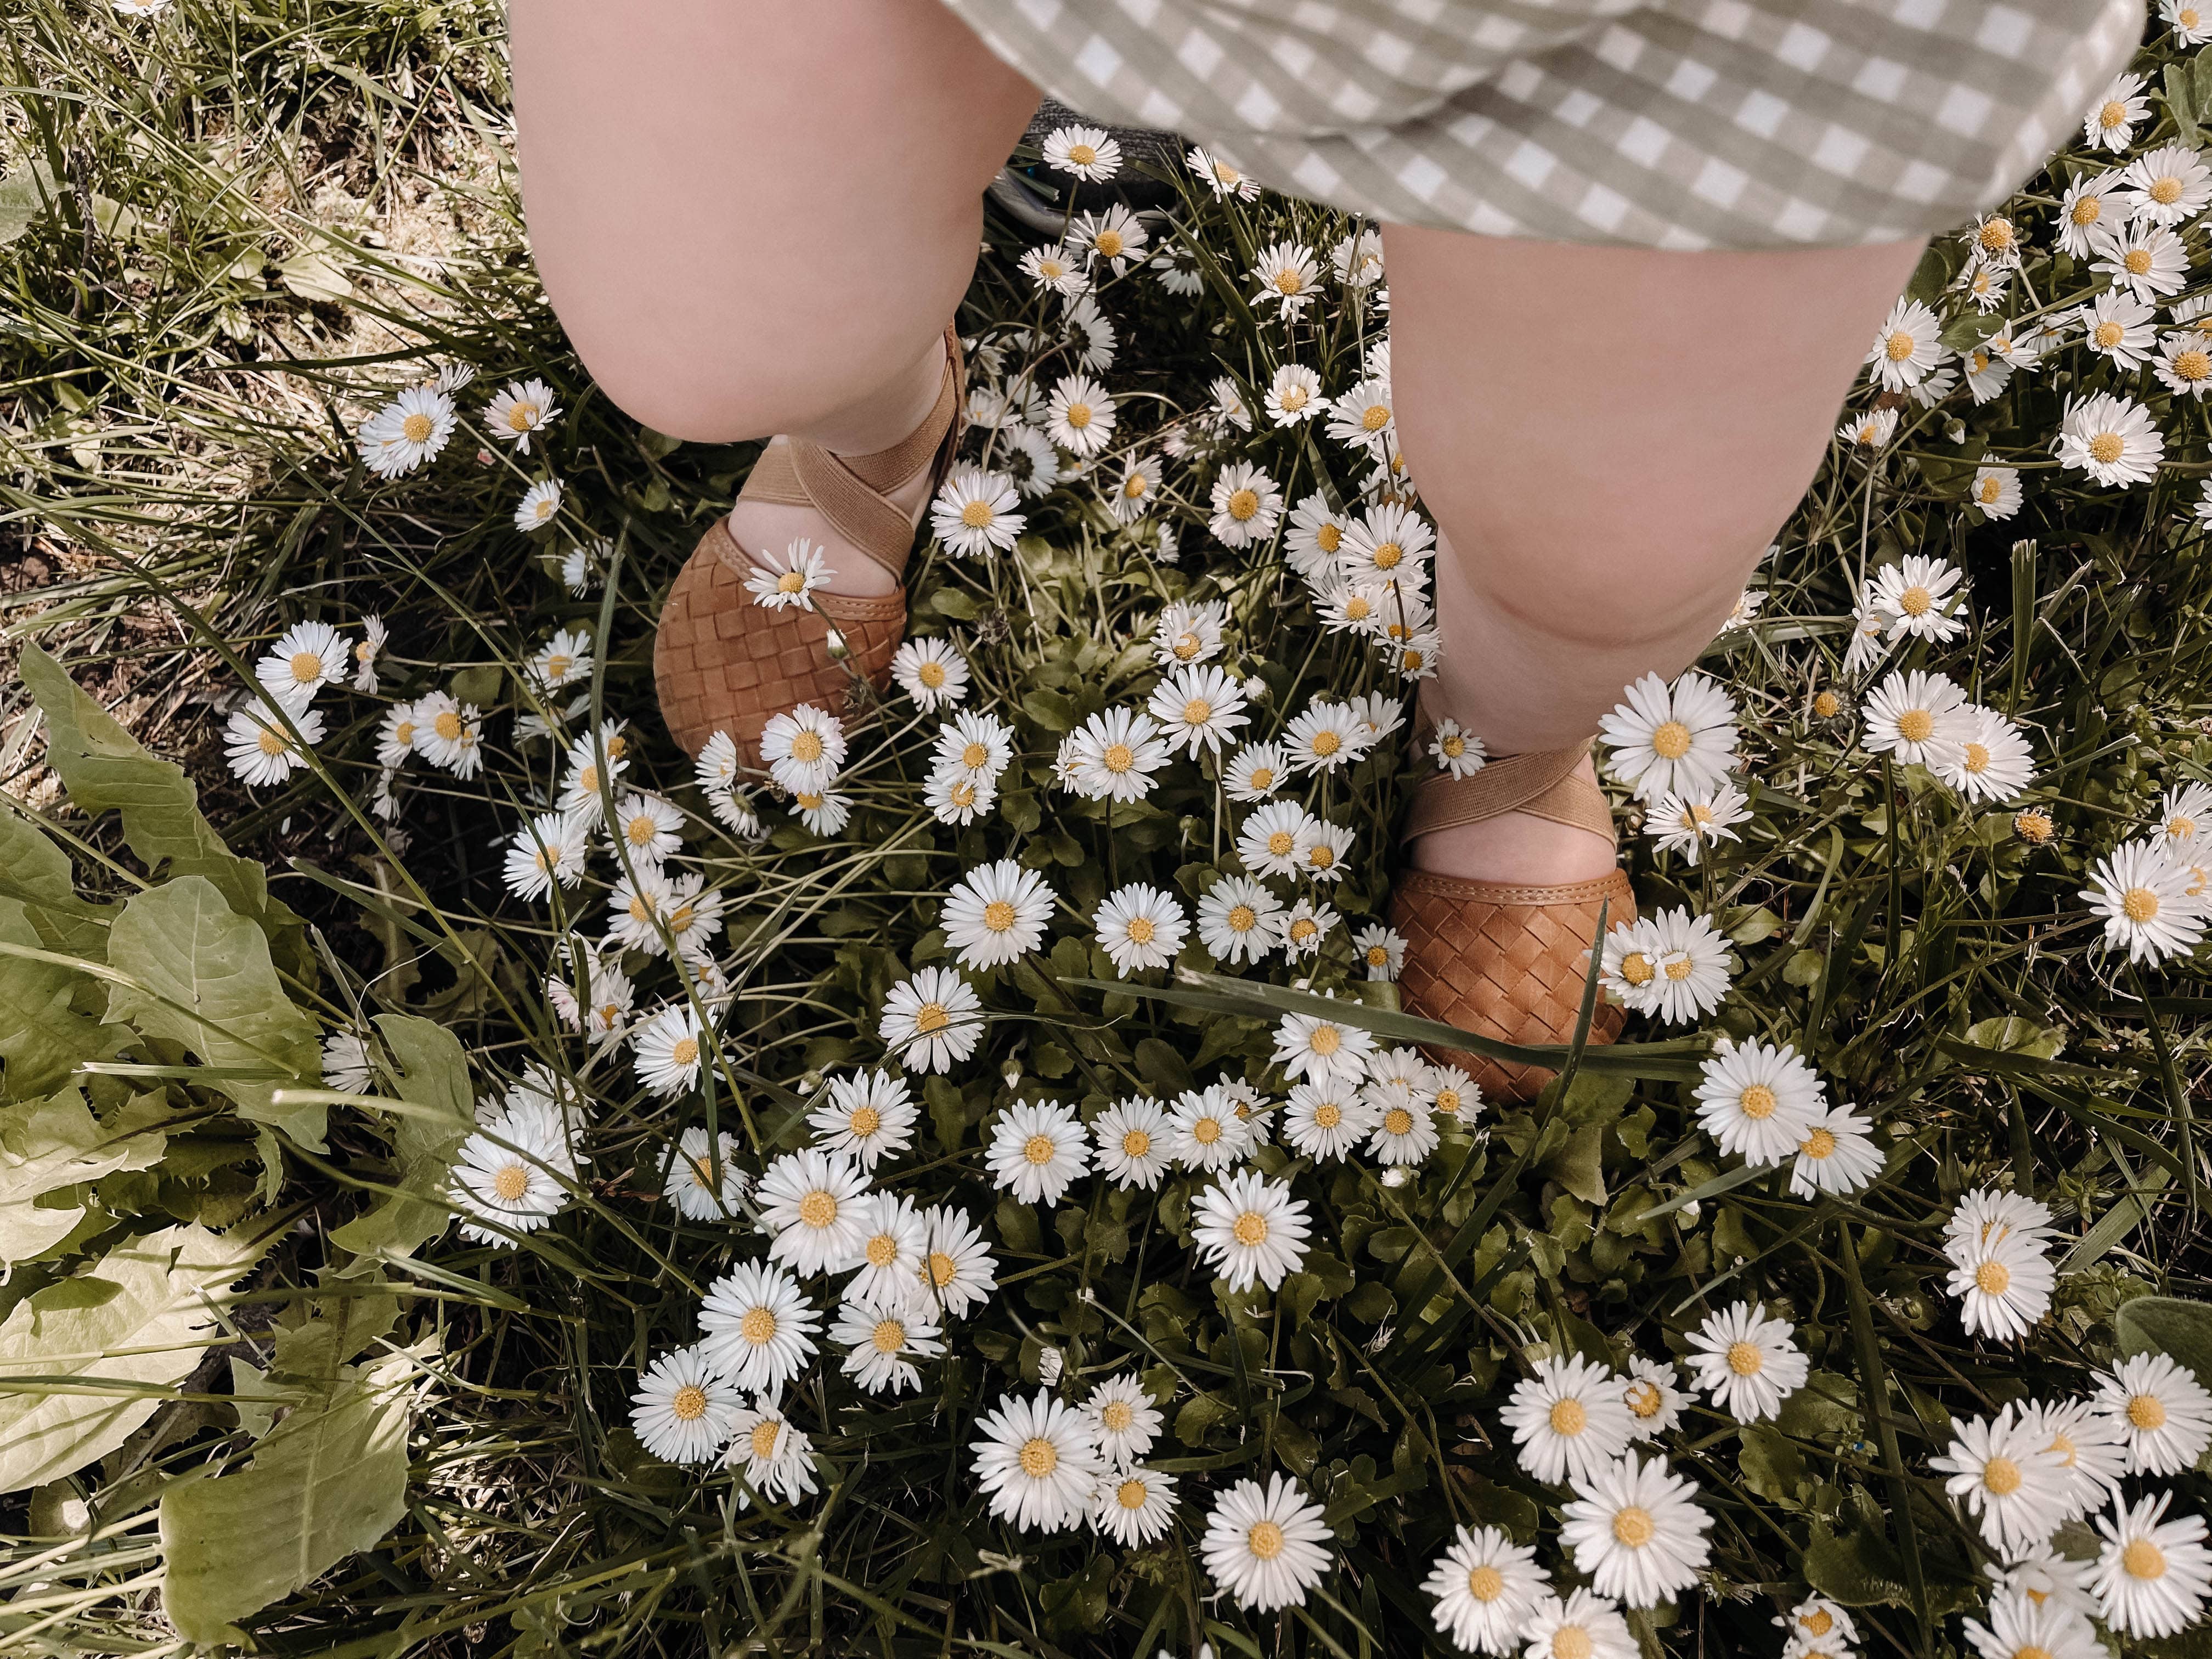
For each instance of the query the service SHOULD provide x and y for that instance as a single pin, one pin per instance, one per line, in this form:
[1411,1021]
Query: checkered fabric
[1670,124]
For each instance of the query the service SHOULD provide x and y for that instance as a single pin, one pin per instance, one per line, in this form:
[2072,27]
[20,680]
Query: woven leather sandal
[723,663]
[1501,958]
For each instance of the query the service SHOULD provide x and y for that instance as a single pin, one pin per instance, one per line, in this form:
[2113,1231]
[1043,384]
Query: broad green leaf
[24,194]
[49,1145]
[138,1323]
[203,980]
[103,766]
[42,1038]
[434,1073]
[2169,1325]
[2012,1035]
[330,1479]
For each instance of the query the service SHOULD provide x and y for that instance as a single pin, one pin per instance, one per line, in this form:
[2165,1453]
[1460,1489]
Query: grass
[262,220]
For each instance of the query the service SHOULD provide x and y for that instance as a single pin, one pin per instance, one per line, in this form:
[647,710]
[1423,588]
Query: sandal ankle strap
[1542,783]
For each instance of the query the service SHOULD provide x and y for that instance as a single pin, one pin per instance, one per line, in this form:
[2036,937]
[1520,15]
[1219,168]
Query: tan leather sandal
[1499,958]
[722,662]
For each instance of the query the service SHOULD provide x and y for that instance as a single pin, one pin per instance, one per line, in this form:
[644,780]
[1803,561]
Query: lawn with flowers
[474,1181]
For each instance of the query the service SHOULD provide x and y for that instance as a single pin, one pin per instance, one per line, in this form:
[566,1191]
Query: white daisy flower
[406,432]
[1114,754]
[1457,750]
[1135,1141]
[2147,260]
[1403,1129]
[521,409]
[1668,740]
[1133,1506]
[1919,596]
[396,734]
[2190,23]
[932,1021]
[777,1458]
[2110,123]
[1362,418]
[1036,1462]
[1583,1627]
[1748,1362]
[1265,1546]
[1036,1149]
[1759,1100]
[2169,185]
[2112,439]
[682,1412]
[812,1204]
[1837,1155]
[1652,1392]
[1134,490]
[2184,365]
[980,743]
[976,513]
[2119,327]
[2160,1407]
[1083,152]
[539,506]
[1123,1420]
[1255,772]
[1274,839]
[668,1049]
[1380,951]
[1358,260]
[2152,1573]
[2092,1453]
[1207,1132]
[1324,1121]
[1220,177]
[1870,429]
[261,752]
[1915,716]
[1986,759]
[649,827]
[1251,1230]
[2043,1577]
[2143,893]
[881,1343]
[870,1116]
[562,660]
[1568,1418]
[1315,538]
[2011,1481]
[691,1184]
[1816,1619]
[508,1176]
[1186,633]
[1322,1050]
[1326,736]
[1289,277]
[1117,236]
[1687,823]
[1636,1530]
[1079,415]
[931,672]
[2004,1286]
[1302,929]
[1453,1095]
[1388,544]
[956,796]
[1055,269]
[1197,707]
[1294,395]
[1246,506]
[307,657]
[2021,1627]
[1906,347]
[1237,921]
[894,1252]
[1139,927]
[1486,1586]
[2084,211]
[345,1063]
[959,1271]
[996,914]
[2182,812]
[788,581]
[804,748]
[1995,491]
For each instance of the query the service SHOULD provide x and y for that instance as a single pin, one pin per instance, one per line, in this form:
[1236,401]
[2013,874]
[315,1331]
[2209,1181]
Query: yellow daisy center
[1916,726]
[685,1051]
[883,1250]
[1374,417]
[689,1403]
[1251,1229]
[1136,1143]
[417,428]
[2143,1559]
[2002,1476]
[1119,757]
[1328,1115]
[1758,1103]
[1141,930]
[818,1208]
[1039,1149]
[1820,1145]
[1745,1359]
[1899,346]
[2146,1412]
[1265,1540]
[1242,919]
[1644,1399]
[765,1436]
[1485,1583]
[806,747]
[1568,1417]
[1039,1457]
[977,515]
[1079,415]
[1244,504]
[1633,1527]
[2139,904]
[1206,1131]
[1670,740]
[1131,1494]
[942,1267]
[998,915]
[1636,968]
[888,1337]
[269,741]
[758,1326]
[511,1181]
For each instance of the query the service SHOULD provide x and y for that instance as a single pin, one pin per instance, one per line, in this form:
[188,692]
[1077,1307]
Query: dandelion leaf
[2170,1325]
[133,1328]
[202,979]
[330,1479]
[48,1147]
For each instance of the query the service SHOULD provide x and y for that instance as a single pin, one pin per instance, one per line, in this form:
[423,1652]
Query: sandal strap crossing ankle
[1507,959]
[723,663]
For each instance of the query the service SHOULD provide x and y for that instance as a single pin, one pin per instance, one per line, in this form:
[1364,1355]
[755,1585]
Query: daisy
[2148,261]
[1140,927]
[1568,1418]
[811,1203]
[980,744]
[1688,823]
[396,734]
[2142,892]
[1274,839]
[1265,1546]
[1636,1530]
[1117,236]
[959,1271]
[1315,537]
[1083,152]
[1672,740]
[2092,1453]
[1294,395]
[1223,179]
[1037,1463]
[2022,1628]
[1486,1586]
[2152,1573]
[1748,1362]
[1251,1229]
[1207,1132]
[1198,707]
[581,565]
[931,672]
[648,827]
[1237,921]
[1289,277]
[1816,1619]
[1906,346]
[804,748]
[1759,1100]
[1302,929]
[1404,1129]
[881,1343]
[1915,597]
[1322,1121]
[1869,632]
[893,1252]
[1869,431]
[870,1116]
[345,1063]
[1457,750]
[777,1457]
[789,580]
[1325,737]
[261,752]
[2043,1577]
[1836,1154]
[1055,271]
[974,513]
[1133,1506]
[1115,755]
[954,797]
[1186,632]
[1358,260]
[1362,418]
[1079,415]
[2184,364]
[1388,545]
[2191,24]
[522,408]
[1654,1396]
[562,660]
[1255,772]
[1123,1419]
[539,506]
[1987,760]
[407,432]
[507,1176]
[1583,1627]
[2169,185]
[1380,951]
[2163,1412]
[996,914]
[2120,327]
[1134,492]
[1035,1151]
[1322,1050]
[932,1021]
[1457,1096]
[2182,812]
[691,1184]
[1230,409]
[307,657]
[682,1411]
[1988,371]
[1915,716]
[550,848]
[1246,506]
[2083,212]
[2110,123]
[1135,1141]
[1177,269]
[2010,1478]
